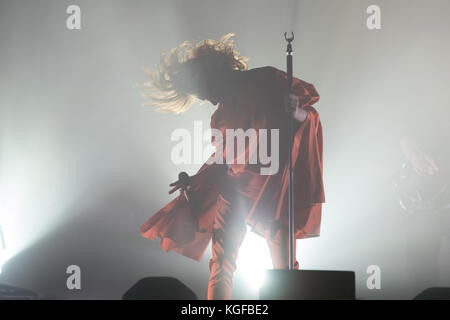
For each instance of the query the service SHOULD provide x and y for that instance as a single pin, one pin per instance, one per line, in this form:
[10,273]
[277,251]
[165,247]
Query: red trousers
[229,230]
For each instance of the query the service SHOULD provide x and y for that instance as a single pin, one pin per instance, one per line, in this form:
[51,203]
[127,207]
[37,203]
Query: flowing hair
[171,84]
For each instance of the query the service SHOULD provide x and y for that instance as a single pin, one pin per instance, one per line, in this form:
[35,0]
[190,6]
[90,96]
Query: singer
[230,196]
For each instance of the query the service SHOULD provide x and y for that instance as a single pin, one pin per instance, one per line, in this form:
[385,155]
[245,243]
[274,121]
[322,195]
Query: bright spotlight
[253,260]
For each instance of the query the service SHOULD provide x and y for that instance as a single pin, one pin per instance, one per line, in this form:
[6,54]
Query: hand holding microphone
[184,183]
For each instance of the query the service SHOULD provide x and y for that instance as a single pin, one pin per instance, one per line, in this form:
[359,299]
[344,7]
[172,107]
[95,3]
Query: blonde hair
[171,88]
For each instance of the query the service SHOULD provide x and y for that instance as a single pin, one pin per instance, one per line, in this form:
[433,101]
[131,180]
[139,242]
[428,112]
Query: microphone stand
[291,284]
[289,53]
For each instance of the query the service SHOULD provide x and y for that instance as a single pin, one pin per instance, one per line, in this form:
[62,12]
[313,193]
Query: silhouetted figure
[233,194]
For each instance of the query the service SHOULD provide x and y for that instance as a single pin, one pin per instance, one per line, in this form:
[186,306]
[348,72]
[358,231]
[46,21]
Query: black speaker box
[159,288]
[308,285]
[436,293]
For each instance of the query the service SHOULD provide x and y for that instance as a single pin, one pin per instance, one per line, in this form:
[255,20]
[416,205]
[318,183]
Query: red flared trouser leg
[279,250]
[228,233]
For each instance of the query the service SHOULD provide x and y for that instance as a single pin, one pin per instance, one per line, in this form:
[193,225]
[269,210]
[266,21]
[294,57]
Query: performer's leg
[279,250]
[228,233]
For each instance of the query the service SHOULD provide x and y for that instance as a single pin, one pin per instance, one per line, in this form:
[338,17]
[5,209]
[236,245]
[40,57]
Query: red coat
[259,105]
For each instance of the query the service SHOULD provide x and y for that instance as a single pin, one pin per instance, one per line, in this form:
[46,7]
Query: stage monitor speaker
[14,293]
[308,285]
[435,293]
[159,288]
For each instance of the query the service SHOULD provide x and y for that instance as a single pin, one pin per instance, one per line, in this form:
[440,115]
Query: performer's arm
[209,172]
[303,94]
[179,184]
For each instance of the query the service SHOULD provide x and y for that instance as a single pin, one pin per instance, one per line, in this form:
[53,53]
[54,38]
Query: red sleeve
[305,91]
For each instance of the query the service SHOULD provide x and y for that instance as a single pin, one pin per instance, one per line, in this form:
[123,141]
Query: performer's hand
[292,107]
[291,103]
[178,185]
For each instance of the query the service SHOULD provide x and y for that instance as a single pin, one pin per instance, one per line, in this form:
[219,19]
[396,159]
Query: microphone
[186,184]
